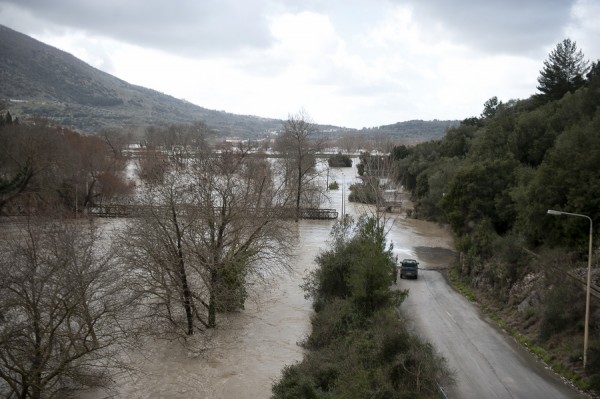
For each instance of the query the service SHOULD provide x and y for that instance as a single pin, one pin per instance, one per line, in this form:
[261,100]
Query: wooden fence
[128,210]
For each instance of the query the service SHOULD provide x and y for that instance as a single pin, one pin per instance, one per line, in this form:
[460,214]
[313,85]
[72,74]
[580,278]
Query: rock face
[526,294]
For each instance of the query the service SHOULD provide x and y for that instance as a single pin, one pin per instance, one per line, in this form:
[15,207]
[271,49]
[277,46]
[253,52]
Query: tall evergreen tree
[564,71]
[490,107]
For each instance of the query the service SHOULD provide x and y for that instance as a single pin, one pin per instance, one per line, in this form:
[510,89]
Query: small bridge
[129,210]
[315,213]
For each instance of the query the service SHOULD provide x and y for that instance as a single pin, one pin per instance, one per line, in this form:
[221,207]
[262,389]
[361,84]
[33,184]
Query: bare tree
[242,233]
[62,310]
[378,184]
[43,167]
[349,142]
[29,160]
[209,228]
[151,165]
[300,143]
[177,141]
[154,246]
[94,158]
[117,141]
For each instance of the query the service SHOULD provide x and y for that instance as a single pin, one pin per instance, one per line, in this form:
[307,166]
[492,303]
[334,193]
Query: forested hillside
[414,131]
[493,178]
[42,81]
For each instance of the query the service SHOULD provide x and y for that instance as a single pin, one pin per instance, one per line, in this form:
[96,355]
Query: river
[245,354]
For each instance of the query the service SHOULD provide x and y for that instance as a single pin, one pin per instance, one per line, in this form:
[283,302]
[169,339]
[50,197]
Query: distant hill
[414,131]
[39,80]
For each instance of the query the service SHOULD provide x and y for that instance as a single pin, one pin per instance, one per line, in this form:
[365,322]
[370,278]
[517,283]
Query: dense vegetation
[339,160]
[366,192]
[44,167]
[358,347]
[493,178]
[414,131]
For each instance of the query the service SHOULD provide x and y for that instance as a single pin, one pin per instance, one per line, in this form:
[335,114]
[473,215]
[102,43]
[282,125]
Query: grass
[460,286]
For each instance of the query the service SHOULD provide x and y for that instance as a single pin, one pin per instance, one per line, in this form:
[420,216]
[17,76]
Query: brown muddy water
[244,356]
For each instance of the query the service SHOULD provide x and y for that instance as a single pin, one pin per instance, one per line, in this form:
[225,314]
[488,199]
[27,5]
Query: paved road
[487,362]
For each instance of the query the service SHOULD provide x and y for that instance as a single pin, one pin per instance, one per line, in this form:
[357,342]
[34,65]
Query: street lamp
[589,281]
[343,196]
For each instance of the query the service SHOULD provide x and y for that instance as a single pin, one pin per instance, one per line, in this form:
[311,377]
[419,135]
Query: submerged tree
[300,143]
[207,230]
[62,310]
[44,167]
[359,265]
[154,246]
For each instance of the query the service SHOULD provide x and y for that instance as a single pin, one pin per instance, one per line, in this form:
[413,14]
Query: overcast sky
[353,63]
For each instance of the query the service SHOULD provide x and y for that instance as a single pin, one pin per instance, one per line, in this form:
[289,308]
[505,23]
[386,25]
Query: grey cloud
[525,27]
[179,26]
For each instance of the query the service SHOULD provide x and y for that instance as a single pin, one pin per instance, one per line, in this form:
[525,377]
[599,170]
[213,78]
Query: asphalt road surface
[487,363]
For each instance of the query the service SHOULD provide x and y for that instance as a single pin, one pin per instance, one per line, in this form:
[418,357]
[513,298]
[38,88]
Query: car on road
[409,268]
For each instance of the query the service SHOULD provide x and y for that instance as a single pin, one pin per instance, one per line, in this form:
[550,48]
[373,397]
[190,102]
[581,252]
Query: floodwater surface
[246,353]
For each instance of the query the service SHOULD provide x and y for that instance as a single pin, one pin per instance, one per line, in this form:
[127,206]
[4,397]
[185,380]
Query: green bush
[358,347]
[339,161]
[364,193]
[378,360]
[333,321]
[560,310]
[295,384]
[358,266]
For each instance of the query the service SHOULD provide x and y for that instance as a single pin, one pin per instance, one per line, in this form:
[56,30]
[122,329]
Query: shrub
[358,347]
[339,161]
[364,193]
[358,266]
[560,312]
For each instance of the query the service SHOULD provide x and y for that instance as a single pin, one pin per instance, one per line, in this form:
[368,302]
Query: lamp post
[589,282]
[343,196]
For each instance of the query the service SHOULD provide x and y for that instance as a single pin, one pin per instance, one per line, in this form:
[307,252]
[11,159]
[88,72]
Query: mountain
[42,81]
[413,131]
[39,80]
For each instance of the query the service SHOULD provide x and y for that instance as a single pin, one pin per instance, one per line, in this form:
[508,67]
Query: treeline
[493,178]
[359,347]
[44,167]
[414,131]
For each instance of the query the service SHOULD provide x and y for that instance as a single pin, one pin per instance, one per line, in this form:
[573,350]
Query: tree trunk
[212,306]
[187,296]
[299,189]
[36,366]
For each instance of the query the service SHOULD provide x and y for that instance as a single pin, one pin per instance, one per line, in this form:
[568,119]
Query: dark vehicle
[409,268]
